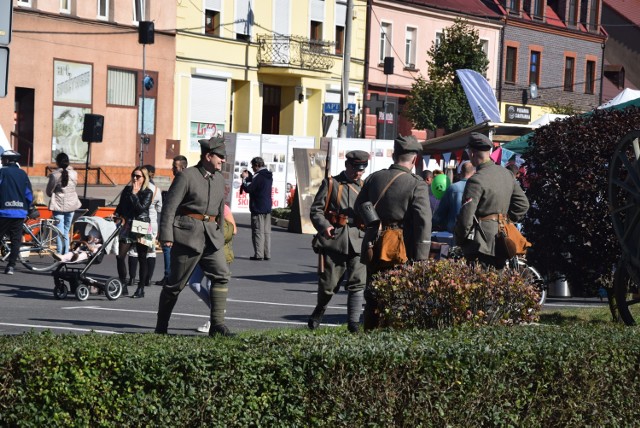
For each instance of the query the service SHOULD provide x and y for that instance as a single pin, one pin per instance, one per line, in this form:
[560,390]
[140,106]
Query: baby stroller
[71,273]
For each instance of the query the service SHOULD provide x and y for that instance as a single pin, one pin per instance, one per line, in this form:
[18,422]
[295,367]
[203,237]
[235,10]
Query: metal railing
[294,51]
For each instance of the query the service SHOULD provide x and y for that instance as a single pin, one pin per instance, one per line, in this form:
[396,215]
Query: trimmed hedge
[532,376]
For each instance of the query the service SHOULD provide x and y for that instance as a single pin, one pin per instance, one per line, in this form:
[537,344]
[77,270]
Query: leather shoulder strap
[387,187]
[328,198]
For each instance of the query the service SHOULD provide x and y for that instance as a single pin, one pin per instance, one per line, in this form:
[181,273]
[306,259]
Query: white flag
[480,96]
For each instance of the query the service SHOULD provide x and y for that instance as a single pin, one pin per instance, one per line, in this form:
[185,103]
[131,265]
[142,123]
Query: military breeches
[335,267]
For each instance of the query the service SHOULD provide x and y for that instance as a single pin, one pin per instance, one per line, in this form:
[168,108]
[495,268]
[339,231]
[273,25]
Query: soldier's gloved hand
[330,232]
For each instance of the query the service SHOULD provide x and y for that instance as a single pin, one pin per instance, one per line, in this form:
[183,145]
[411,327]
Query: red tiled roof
[629,9]
[471,7]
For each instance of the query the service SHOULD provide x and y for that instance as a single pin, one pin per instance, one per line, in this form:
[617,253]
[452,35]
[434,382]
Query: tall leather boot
[316,316]
[139,294]
[371,319]
[354,307]
[151,266]
[165,308]
[125,287]
[218,299]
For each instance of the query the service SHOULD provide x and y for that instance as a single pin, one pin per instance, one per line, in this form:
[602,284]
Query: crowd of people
[363,227]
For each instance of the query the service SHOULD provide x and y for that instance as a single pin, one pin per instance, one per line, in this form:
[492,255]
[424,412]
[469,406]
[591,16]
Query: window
[538,8]
[513,6]
[594,19]
[138,10]
[484,44]
[439,36]
[121,87]
[65,6]
[569,68]
[385,41]
[24,3]
[212,22]
[339,40]
[315,36]
[103,9]
[590,78]
[244,20]
[510,67]
[410,48]
[573,13]
[534,68]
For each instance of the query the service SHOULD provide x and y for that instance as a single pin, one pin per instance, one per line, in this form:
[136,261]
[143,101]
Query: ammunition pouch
[337,220]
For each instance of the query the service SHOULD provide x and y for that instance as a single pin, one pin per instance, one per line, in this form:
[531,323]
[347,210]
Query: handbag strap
[326,204]
[387,187]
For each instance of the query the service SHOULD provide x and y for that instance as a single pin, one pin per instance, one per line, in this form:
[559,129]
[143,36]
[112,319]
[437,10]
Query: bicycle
[38,246]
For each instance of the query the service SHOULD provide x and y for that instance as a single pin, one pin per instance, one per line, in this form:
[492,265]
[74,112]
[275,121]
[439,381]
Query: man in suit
[192,224]
[491,191]
[339,240]
[401,200]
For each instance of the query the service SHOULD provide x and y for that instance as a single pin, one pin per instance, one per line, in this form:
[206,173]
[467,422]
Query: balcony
[294,52]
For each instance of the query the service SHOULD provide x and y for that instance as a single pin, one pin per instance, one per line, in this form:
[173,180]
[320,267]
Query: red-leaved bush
[445,293]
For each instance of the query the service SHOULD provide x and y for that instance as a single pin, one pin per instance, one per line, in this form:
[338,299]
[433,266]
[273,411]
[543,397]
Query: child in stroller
[83,249]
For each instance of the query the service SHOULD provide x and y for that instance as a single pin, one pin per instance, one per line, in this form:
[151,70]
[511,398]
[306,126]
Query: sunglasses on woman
[135,176]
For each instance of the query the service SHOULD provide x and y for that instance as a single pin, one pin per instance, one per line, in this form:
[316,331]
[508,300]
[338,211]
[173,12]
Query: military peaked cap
[358,158]
[214,145]
[406,144]
[481,142]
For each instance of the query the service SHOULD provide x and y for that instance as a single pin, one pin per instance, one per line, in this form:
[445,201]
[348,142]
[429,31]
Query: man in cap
[401,200]
[192,224]
[16,196]
[490,192]
[259,185]
[339,239]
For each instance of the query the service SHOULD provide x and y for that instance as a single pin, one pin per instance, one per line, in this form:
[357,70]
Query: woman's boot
[139,294]
[125,289]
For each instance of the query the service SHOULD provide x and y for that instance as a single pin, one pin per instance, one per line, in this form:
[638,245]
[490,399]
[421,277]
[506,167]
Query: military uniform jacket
[196,191]
[491,190]
[348,239]
[405,202]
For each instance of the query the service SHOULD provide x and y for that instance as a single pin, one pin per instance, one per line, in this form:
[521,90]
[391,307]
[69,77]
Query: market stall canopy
[625,96]
[498,132]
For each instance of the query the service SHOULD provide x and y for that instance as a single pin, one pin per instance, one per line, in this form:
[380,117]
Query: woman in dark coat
[135,201]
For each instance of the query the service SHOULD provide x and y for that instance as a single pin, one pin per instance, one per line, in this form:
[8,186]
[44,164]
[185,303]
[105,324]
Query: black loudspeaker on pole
[92,129]
[388,65]
[145,32]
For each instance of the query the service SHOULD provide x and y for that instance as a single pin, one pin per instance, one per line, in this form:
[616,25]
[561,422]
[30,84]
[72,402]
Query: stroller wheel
[82,292]
[113,288]
[60,290]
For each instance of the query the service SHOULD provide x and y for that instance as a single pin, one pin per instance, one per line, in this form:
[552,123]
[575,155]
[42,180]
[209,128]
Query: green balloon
[439,185]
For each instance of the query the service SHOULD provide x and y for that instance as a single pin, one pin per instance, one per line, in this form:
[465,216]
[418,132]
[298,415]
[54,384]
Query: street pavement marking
[98,308]
[54,327]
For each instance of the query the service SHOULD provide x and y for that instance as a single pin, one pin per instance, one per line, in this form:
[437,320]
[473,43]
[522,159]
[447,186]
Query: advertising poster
[295,143]
[274,154]
[310,167]
[200,131]
[72,82]
[67,133]
[341,146]
[382,155]
[247,146]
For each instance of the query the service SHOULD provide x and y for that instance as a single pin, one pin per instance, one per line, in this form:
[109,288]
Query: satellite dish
[533,90]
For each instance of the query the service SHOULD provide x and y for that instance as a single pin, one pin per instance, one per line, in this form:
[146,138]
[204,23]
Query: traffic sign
[6,12]
[4,71]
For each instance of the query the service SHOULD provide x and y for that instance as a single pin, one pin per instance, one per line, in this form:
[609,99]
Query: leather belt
[489,217]
[391,225]
[201,217]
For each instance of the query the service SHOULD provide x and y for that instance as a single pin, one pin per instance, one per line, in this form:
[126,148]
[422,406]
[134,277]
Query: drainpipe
[367,48]
[501,64]
[346,64]
[603,44]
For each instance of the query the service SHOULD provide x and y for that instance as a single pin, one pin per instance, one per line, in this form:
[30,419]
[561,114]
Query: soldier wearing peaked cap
[339,239]
[401,200]
[192,224]
[489,193]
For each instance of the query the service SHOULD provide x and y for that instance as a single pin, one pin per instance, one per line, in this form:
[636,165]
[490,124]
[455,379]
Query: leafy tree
[559,108]
[440,101]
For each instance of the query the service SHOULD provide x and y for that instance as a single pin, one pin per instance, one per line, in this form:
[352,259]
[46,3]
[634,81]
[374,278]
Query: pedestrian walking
[401,201]
[16,196]
[179,163]
[192,224]
[339,240]
[259,185]
[133,209]
[64,200]
[488,194]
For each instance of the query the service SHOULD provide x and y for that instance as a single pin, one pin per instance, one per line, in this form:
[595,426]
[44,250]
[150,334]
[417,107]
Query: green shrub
[533,376]
[283,213]
[446,293]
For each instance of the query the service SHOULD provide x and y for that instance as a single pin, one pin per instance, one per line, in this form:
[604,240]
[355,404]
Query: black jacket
[259,189]
[135,207]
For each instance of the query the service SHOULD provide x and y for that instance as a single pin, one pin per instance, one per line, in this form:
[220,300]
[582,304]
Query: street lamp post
[145,37]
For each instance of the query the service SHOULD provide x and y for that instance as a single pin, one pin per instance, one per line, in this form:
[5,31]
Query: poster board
[310,167]
[247,146]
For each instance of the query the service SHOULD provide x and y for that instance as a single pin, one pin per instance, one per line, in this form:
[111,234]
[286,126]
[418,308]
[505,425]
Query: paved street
[279,293]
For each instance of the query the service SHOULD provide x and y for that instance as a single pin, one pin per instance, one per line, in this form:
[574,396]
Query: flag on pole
[480,96]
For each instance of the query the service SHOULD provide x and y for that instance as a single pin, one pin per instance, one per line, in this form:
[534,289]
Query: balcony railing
[294,51]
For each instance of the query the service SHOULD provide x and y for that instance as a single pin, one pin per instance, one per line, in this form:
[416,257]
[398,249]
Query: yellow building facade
[264,67]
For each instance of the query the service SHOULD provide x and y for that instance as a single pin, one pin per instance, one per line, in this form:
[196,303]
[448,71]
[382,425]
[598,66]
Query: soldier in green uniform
[192,224]
[339,239]
[401,200]
[491,191]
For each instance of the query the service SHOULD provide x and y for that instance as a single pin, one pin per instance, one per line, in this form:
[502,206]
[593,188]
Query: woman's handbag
[140,227]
